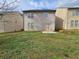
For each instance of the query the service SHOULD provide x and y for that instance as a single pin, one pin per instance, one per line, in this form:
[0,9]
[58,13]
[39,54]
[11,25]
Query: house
[39,20]
[11,21]
[67,18]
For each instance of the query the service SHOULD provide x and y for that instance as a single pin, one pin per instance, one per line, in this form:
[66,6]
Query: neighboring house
[39,20]
[67,18]
[11,21]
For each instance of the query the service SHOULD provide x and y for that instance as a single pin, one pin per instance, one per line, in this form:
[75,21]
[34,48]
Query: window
[45,14]
[76,13]
[30,26]
[73,14]
[72,23]
[76,23]
[30,15]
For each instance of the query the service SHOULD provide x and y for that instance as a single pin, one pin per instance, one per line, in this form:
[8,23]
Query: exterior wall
[1,25]
[61,18]
[11,22]
[40,21]
[64,16]
[71,17]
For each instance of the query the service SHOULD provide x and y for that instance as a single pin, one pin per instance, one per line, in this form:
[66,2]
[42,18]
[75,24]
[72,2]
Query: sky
[47,4]
[44,4]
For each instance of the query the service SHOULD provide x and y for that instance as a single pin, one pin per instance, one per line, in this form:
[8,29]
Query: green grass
[35,45]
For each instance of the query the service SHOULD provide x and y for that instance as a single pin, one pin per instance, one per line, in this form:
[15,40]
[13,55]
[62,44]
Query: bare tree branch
[8,6]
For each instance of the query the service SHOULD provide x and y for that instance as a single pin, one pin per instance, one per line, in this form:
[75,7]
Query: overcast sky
[45,4]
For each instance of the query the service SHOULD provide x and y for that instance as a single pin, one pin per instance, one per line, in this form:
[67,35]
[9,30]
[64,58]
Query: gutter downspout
[23,20]
[67,17]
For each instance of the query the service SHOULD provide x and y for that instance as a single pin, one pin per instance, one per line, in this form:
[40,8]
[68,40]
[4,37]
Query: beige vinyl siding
[74,17]
[11,22]
[67,18]
[41,21]
[61,18]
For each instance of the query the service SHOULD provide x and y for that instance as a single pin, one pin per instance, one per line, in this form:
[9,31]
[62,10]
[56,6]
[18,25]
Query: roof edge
[39,11]
[70,7]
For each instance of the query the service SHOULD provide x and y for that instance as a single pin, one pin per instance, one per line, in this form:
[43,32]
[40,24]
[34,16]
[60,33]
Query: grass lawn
[35,45]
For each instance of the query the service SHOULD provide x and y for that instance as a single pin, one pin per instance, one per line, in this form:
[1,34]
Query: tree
[8,5]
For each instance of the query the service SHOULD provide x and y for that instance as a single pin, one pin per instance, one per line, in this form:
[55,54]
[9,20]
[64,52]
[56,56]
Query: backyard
[36,45]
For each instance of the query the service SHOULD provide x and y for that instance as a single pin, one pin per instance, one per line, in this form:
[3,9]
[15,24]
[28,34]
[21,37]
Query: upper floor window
[76,13]
[30,15]
[45,14]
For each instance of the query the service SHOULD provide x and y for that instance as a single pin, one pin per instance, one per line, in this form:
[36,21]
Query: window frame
[75,13]
[72,23]
[76,23]
[45,14]
[30,25]
[30,15]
